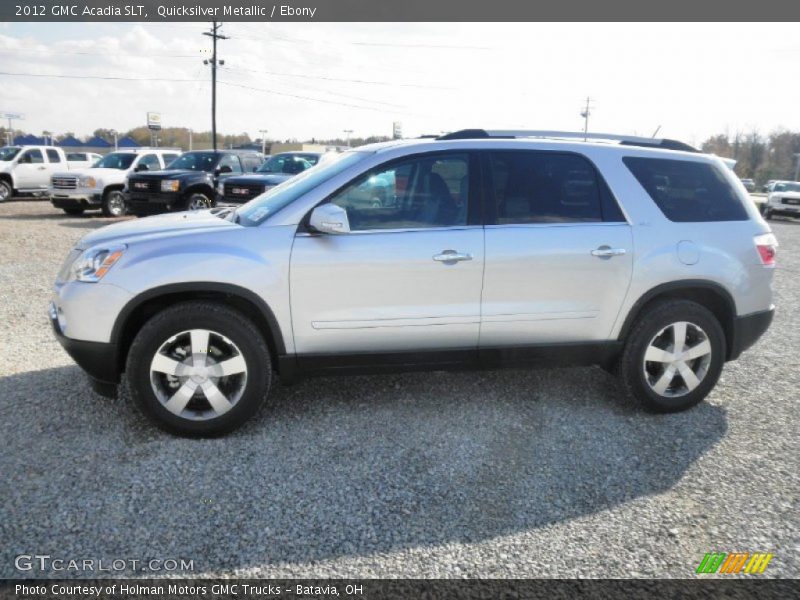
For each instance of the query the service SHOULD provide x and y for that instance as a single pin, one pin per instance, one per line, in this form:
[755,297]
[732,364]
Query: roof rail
[627,140]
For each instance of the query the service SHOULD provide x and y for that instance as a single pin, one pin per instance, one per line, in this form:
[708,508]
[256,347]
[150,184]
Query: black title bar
[398,10]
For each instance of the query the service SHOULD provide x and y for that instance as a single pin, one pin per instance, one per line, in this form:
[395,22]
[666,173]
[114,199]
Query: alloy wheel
[677,359]
[198,374]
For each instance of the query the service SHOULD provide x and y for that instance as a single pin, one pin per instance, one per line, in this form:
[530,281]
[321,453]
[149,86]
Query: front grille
[240,192]
[65,183]
[144,185]
[795,201]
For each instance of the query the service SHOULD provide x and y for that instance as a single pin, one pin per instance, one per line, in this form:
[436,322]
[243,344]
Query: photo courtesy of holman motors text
[381,299]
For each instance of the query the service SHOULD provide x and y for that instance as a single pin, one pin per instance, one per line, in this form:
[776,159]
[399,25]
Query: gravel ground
[511,474]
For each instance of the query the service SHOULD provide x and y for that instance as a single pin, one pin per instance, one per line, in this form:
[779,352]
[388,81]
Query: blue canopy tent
[28,140]
[127,142]
[70,142]
[97,142]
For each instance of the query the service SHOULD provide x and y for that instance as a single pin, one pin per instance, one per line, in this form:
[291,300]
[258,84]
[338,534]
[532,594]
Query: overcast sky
[317,79]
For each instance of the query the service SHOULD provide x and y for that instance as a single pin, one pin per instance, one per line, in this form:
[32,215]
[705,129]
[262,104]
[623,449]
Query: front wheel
[673,356]
[199,201]
[114,204]
[196,369]
[5,191]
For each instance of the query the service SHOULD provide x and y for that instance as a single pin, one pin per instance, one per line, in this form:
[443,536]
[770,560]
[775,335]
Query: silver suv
[471,250]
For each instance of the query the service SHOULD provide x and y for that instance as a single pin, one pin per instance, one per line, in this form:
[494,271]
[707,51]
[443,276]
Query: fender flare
[199,287]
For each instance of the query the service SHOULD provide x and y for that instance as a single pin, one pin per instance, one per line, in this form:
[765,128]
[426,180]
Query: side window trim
[489,203]
[474,195]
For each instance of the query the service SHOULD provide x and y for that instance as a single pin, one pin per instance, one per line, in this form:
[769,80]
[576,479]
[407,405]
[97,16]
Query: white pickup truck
[27,169]
[100,186]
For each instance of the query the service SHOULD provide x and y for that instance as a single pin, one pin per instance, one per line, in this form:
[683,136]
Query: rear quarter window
[687,191]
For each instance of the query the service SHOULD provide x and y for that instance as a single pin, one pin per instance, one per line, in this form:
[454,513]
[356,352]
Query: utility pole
[116,139]
[348,132]
[263,133]
[214,35]
[797,168]
[190,140]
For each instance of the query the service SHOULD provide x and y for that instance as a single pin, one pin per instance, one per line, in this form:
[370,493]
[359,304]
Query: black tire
[74,211]
[6,192]
[217,318]
[198,201]
[114,204]
[632,368]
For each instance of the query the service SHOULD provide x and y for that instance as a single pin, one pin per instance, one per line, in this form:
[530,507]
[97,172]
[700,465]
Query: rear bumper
[748,329]
[99,360]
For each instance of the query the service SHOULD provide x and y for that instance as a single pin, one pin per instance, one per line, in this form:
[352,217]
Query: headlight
[170,185]
[95,262]
[268,187]
[88,182]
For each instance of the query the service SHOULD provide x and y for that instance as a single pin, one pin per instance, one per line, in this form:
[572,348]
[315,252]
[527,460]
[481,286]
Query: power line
[363,81]
[104,78]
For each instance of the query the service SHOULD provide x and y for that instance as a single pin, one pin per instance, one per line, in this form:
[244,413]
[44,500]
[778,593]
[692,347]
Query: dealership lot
[508,474]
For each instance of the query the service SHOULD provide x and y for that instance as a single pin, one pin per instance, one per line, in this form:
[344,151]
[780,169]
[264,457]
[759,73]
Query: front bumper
[748,329]
[74,199]
[99,360]
[155,202]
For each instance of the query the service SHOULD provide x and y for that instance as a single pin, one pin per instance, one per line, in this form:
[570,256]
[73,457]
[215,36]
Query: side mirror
[223,170]
[329,218]
[141,167]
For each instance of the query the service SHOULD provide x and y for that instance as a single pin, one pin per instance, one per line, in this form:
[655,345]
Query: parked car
[276,170]
[27,169]
[82,160]
[749,185]
[484,255]
[783,199]
[101,186]
[189,182]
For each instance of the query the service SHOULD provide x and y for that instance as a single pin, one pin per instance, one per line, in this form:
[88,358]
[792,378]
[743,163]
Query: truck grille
[794,201]
[144,185]
[65,183]
[237,192]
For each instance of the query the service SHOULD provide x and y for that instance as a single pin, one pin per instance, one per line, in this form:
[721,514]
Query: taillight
[767,245]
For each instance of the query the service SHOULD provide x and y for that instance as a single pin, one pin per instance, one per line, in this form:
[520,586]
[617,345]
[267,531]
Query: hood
[167,225]
[787,194]
[262,178]
[97,173]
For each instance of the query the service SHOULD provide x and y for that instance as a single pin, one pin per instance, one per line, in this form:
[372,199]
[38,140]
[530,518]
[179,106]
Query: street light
[263,133]
[116,140]
[348,132]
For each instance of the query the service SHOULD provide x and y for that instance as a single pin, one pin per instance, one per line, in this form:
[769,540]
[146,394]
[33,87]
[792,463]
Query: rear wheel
[196,369]
[673,356]
[114,204]
[198,201]
[74,210]
[5,191]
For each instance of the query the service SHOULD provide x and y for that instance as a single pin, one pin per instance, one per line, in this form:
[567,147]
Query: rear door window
[547,187]
[53,156]
[151,161]
[687,191]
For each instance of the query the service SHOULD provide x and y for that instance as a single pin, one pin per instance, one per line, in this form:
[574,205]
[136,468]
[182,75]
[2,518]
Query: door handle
[40,168]
[451,256]
[608,252]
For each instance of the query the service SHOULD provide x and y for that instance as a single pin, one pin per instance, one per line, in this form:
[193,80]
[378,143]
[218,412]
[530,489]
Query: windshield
[787,187]
[195,161]
[290,164]
[116,160]
[9,152]
[259,209]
